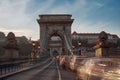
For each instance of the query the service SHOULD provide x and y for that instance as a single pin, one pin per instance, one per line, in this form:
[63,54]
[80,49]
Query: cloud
[14,18]
[79,7]
[12,12]
[91,27]
[37,7]
[67,7]
[20,15]
[18,32]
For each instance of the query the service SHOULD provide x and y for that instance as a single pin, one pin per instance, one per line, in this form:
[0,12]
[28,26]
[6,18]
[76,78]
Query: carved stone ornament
[11,42]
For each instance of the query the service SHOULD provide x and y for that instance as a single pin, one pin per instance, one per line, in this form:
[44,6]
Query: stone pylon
[11,47]
[55,25]
[102,46]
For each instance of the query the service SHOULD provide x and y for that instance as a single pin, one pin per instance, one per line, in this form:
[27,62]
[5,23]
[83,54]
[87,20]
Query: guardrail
[8,67]
[25,67]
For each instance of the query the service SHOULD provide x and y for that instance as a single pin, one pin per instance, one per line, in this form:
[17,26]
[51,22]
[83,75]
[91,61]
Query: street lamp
[73,48]
[79,50]
[33,44]
[79,43]
[38,51]
[38,47]
[33,51]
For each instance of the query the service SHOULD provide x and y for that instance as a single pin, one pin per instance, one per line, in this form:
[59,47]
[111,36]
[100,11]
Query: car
[75,60]
[67,61]
[61,60]
[98,69]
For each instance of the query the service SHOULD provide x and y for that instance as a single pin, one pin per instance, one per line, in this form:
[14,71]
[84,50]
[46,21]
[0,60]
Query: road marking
[58,71]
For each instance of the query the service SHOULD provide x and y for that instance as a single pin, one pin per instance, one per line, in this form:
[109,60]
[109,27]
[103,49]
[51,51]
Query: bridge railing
[13,66]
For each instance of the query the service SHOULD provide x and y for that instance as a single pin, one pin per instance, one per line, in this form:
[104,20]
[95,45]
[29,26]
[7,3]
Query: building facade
[83,42]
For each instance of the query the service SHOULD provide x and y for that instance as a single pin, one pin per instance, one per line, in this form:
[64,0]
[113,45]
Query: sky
[90,16]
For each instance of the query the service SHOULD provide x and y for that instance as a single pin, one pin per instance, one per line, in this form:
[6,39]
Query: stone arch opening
[55,44]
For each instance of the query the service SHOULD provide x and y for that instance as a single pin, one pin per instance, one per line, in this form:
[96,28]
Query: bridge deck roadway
[50,73]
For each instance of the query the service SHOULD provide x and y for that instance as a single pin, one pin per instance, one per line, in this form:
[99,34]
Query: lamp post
[79,49]
[33,46]
[38,51]
[73,49]
[38,47]
[33,51]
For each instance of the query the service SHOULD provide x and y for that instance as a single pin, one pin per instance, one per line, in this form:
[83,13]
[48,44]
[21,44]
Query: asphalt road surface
[50,73]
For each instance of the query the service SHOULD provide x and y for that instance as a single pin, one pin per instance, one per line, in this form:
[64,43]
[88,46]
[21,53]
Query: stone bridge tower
[58,24]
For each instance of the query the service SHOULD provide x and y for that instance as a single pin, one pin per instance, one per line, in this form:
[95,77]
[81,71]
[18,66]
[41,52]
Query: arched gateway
[55,25]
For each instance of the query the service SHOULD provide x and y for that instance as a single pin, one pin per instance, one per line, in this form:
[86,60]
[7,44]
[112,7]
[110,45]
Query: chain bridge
[55,25]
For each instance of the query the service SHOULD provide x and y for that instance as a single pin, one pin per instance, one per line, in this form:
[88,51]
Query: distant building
[22,39]
[93,37]
[86,41]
